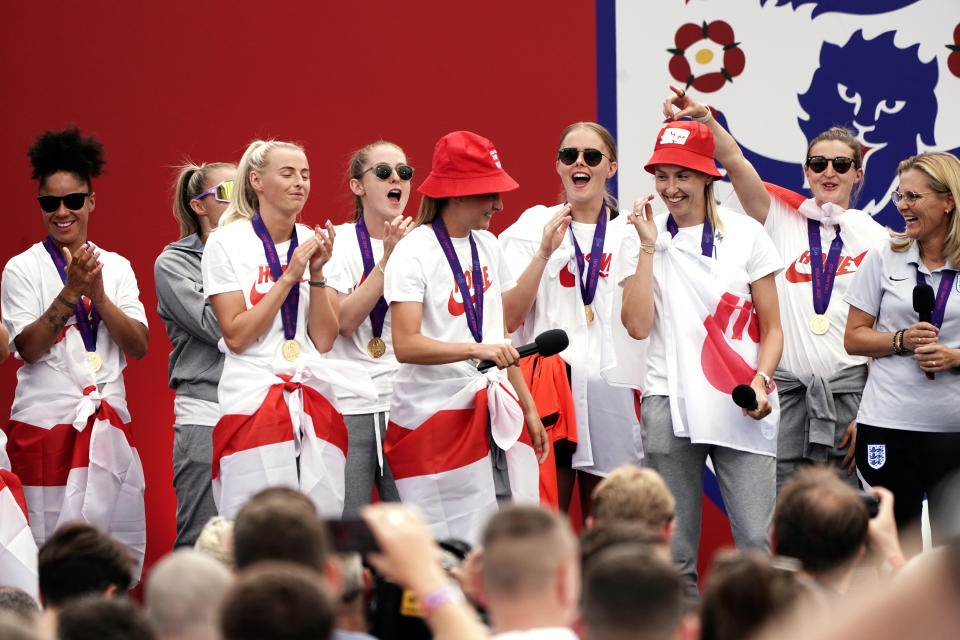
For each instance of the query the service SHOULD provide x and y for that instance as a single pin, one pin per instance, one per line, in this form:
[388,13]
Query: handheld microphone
[744,397]
[548,343]
[923,303]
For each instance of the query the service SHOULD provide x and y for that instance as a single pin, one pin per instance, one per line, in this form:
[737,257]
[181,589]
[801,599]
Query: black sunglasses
[73,201]
[569,155]
[384,171]
[818,164]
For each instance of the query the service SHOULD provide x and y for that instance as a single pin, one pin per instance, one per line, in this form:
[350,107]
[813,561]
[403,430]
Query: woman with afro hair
[73,313]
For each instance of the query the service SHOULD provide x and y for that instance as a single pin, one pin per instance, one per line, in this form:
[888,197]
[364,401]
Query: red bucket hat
[685,143]
[465,164]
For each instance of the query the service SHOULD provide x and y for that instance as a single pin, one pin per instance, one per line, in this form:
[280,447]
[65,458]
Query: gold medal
[588,312]
[376,347]
[95,360]
[291,350]
[819,324]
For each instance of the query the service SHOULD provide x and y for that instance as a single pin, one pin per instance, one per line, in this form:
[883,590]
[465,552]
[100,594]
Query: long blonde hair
[943,179]
[190,183]
[244,203]
[430,208]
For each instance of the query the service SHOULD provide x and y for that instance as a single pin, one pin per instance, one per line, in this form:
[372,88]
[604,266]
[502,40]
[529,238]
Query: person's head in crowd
[747,590]
[201,196]
[603,536]
[277,600]
[632,593]
[530,568]
[634,494]
[79,559]
[216,541]
[280,523]
[822,522]
[19,603]
[93,618]
[13,627]
[183,595]
[355,584]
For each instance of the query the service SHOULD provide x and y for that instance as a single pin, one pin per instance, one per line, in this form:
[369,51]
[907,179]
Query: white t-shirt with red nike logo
[805,353]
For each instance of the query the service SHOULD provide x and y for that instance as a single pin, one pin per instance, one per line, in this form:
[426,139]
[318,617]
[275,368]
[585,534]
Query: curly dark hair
[66,150]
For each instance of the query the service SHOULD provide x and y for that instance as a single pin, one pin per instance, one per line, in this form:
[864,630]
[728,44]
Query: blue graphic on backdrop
[888,112]
[861,8]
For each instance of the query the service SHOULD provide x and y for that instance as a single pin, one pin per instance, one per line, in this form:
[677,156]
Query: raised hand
[642,219]
[393,231]
[83,272]
[554,231]
[686,105]
[324,243]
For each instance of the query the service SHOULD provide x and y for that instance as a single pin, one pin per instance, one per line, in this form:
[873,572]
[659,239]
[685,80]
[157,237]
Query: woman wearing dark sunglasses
[264,275]
[74,315]
[201,195]
[380,182]
[563,255]
[819,383]
[909,432]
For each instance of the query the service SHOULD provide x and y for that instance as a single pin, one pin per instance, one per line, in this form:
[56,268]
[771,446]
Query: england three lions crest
[876,455]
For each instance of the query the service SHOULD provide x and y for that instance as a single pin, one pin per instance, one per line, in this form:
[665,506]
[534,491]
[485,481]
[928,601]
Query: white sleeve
[218,272]
[20,302]
[627,256]
[504,271]
[764,257]
[128,293]
[336,271]
[866,290]
[404,280]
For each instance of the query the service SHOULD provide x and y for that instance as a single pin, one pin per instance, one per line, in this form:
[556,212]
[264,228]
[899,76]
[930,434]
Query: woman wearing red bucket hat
[563,256]
[819,383]
[699,282]
[445,284]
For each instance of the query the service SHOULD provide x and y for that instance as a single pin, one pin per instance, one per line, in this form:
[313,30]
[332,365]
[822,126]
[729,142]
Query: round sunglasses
[818,164]
[591,157]
[72,201]
[221,192]
[384,171]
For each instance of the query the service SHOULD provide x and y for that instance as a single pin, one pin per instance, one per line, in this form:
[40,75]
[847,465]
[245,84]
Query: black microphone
[745,397]
[923,303]
[548,343]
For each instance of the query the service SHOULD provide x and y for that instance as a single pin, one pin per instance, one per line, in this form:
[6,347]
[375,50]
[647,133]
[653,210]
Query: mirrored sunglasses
[72,201]
[384,171]
[569,155]
[220,192]
[818,164]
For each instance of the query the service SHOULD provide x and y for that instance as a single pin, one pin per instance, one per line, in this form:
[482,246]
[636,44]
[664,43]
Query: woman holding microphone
[264,276]
[699,282]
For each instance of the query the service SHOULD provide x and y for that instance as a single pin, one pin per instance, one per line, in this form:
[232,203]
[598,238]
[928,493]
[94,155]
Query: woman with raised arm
[264,276]
[823,241]
[74,316]
[444,284]
[380,182]
[905,314]
[563,255]
[699,282]
[201,195]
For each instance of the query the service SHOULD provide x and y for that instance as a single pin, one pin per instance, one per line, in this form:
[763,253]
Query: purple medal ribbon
[87,326]
[366,253]
[946,284]
[706,239]
[288,310]
[822,273]
[474,312]
[589,290]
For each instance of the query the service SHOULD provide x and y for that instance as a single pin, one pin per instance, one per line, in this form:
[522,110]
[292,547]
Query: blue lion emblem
[845,6]
[853,87]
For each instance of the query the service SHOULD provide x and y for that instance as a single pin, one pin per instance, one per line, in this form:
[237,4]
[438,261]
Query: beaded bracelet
[649,247]
[898,347]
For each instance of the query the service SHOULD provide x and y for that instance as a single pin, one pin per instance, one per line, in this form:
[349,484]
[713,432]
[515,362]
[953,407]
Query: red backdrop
[160,82]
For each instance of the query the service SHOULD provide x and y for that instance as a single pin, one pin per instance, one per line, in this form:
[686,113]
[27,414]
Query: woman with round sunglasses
[699,283]
[201,195]
[823,242]
[563,255]
[74,317]
[380,182]
[905,314]
[264,276]
[449,422]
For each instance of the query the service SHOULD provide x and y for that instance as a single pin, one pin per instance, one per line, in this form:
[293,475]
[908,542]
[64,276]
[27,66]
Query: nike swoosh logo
[456,308]
[794,276]
[256,295]
[897,279]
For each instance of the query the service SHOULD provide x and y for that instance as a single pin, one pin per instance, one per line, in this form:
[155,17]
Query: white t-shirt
[898,394]
[346,274]
[804,352]
[741,245]
[31,282]
[418,271]
[233,260]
